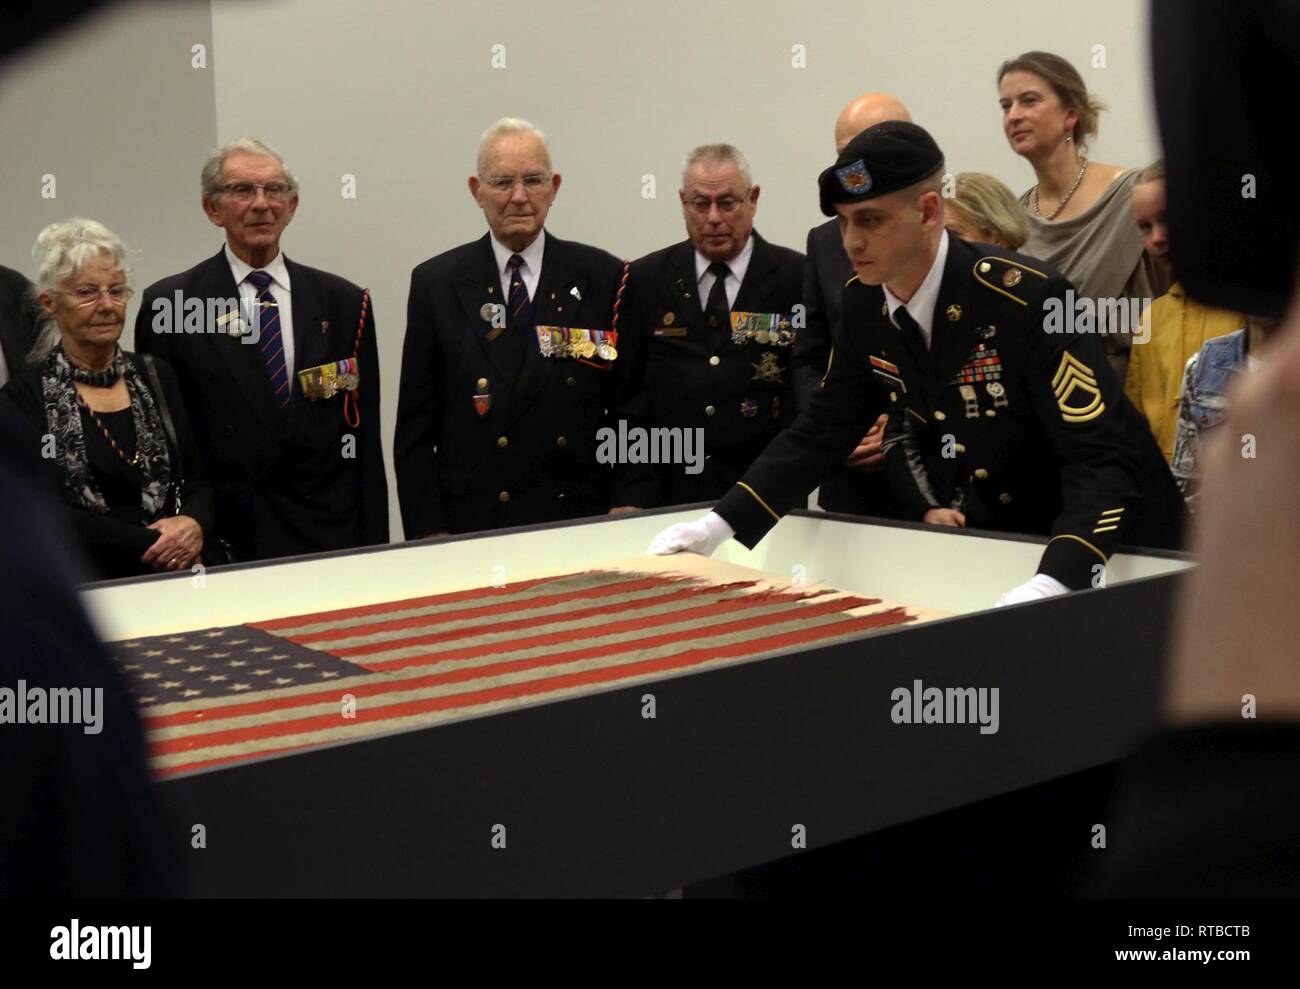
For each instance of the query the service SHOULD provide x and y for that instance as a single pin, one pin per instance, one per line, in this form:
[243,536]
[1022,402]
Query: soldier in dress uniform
[509,364]
[1000,415]
[715,317]
[857,486]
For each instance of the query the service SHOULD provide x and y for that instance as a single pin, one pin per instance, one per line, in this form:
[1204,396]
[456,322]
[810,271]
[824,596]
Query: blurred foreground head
[1221,71]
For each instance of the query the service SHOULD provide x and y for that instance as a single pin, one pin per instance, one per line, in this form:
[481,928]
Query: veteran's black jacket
[480,447]
[695,376]
[304,482]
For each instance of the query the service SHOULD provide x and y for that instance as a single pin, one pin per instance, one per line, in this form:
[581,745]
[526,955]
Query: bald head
[867,111]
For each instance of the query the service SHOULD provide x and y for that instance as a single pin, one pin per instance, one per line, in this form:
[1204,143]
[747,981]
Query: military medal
[767,369]
[577,342]
[971,399]
[764,328]
[983,364]
[327,380]
[998,392]
[482,398]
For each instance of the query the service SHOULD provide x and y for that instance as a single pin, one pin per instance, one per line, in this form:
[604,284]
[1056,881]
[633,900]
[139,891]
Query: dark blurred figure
[1212,808]
[19,317]
[79,816]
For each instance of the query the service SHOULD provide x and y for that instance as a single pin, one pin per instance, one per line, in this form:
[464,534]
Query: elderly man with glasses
[280,371]
[715,319]
[511,366]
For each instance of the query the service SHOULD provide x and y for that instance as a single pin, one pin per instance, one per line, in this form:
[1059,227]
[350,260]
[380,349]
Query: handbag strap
[169,427]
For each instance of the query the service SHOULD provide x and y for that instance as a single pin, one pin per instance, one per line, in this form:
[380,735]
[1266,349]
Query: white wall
[396,93]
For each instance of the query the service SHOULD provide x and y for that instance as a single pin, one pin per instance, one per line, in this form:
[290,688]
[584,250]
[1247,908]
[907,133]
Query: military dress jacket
[483,442]
[734,380]
[1007,416]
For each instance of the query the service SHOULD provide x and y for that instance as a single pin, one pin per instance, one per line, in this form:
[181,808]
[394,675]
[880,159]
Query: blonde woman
[983,210]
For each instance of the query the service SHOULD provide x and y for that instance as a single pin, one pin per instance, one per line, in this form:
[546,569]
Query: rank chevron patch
[1073,376]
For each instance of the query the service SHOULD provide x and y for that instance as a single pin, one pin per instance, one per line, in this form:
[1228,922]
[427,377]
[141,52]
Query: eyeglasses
[535,182]
[246,192]
[726,205]
[88,295]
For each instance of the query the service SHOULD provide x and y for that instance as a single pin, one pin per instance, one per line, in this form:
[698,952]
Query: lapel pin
[954,313]
[575,293]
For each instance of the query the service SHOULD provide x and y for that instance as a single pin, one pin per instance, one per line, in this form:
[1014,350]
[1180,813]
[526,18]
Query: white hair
[710,156]
[61,250]
[504,126]
[210,177]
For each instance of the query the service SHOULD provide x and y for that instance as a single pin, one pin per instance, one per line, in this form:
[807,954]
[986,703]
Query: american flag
[218,696]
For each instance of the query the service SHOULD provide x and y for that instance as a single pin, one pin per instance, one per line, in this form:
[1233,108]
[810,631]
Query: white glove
[702,536]
[1039,586]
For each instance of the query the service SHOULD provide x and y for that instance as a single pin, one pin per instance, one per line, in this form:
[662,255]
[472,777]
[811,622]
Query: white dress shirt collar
[530,270]
[241,269]
[921,305]
[738,265]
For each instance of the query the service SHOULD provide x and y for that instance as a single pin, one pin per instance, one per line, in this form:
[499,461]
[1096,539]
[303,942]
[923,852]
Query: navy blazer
[304,482]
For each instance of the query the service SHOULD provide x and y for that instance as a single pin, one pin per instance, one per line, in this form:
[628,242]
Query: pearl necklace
[1060,206]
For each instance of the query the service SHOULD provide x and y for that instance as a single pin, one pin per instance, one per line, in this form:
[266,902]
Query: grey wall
[114,111]
[396,93]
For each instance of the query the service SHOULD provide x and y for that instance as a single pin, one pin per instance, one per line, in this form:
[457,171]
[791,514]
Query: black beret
[882,159]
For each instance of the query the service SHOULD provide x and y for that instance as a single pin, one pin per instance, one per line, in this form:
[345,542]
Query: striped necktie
[271,346]
[520,305]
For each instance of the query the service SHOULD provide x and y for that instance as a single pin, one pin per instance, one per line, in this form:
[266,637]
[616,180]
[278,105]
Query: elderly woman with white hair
[112,423]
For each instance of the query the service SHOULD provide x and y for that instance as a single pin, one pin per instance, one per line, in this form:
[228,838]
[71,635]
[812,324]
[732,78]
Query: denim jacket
[1204,404]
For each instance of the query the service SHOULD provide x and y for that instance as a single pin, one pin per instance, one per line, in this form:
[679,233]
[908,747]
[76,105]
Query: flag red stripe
[613,628]
[386,606]
[505,607]
[166,771]
[599,627]
[472,673]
